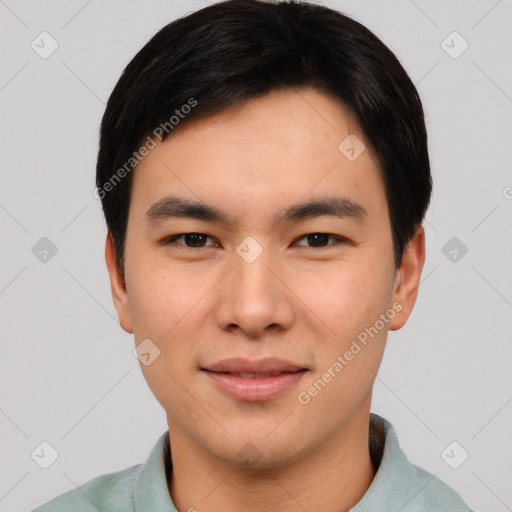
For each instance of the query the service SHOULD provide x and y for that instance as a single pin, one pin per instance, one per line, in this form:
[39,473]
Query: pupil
[318,239]
[194,239]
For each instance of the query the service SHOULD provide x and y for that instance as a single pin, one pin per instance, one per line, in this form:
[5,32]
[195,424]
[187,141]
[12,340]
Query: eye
[190,240]
[320,239]
[198,240]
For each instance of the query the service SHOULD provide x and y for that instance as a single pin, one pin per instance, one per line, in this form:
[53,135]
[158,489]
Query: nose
[254,297]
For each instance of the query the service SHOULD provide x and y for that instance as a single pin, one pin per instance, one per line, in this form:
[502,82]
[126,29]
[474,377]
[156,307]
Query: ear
[118,286]
[408,278]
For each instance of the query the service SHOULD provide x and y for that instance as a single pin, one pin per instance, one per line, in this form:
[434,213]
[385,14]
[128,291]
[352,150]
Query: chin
[257,453]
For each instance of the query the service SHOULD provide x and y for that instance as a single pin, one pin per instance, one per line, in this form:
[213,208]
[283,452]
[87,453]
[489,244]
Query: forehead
[272,150]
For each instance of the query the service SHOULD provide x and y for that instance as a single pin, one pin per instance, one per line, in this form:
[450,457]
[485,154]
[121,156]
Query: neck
[334,476]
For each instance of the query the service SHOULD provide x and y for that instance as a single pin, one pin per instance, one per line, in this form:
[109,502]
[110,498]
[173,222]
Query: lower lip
[255,390]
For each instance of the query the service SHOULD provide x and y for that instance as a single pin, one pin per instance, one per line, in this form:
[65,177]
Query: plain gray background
[68,375]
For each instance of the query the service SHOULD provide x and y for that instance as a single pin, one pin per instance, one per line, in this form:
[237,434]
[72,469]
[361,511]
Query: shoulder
[144,484]
[112,492]
[436,495]
[400,484]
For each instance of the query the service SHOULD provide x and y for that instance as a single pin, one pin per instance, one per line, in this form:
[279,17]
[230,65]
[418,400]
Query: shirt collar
[151,491]
[398,484]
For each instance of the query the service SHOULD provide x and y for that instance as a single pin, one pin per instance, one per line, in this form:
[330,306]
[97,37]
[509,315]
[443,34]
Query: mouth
[254,381]
[249,375]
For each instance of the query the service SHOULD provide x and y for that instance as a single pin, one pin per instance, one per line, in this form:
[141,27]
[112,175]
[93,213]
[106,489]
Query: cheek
[167,384]
[353,307]
[347,297]
[168,307]
[161,298]
[349,354]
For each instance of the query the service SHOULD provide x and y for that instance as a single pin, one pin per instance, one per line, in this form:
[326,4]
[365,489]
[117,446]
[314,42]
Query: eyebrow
[175,207]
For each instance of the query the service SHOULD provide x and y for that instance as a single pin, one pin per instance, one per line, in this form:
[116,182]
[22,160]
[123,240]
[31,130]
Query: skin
[299,302]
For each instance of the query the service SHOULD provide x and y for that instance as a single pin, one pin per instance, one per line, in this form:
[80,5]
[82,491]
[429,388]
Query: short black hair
[232,51]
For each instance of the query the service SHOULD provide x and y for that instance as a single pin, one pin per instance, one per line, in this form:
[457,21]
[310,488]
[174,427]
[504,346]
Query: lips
[250,375]
[254,381]
[269,366]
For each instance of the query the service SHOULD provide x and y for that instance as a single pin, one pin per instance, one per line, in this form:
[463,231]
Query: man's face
[205,298]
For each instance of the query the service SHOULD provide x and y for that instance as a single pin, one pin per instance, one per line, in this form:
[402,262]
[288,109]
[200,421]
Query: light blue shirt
[398,486]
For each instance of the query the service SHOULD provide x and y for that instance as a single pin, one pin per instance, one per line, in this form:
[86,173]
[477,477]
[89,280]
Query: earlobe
[117,286]
[408,278]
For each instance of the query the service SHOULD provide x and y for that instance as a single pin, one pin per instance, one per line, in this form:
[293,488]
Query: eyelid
[337,238]
[172,239]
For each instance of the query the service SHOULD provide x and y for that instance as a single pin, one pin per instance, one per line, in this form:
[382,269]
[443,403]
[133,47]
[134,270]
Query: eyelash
[173,238]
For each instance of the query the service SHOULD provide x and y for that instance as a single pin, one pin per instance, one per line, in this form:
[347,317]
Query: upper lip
[266,365]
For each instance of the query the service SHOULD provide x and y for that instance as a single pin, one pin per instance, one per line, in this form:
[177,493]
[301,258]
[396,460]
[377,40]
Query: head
[288,139]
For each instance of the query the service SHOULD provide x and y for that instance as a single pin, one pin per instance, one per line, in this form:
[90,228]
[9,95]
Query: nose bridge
[253,298]
[252,279]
